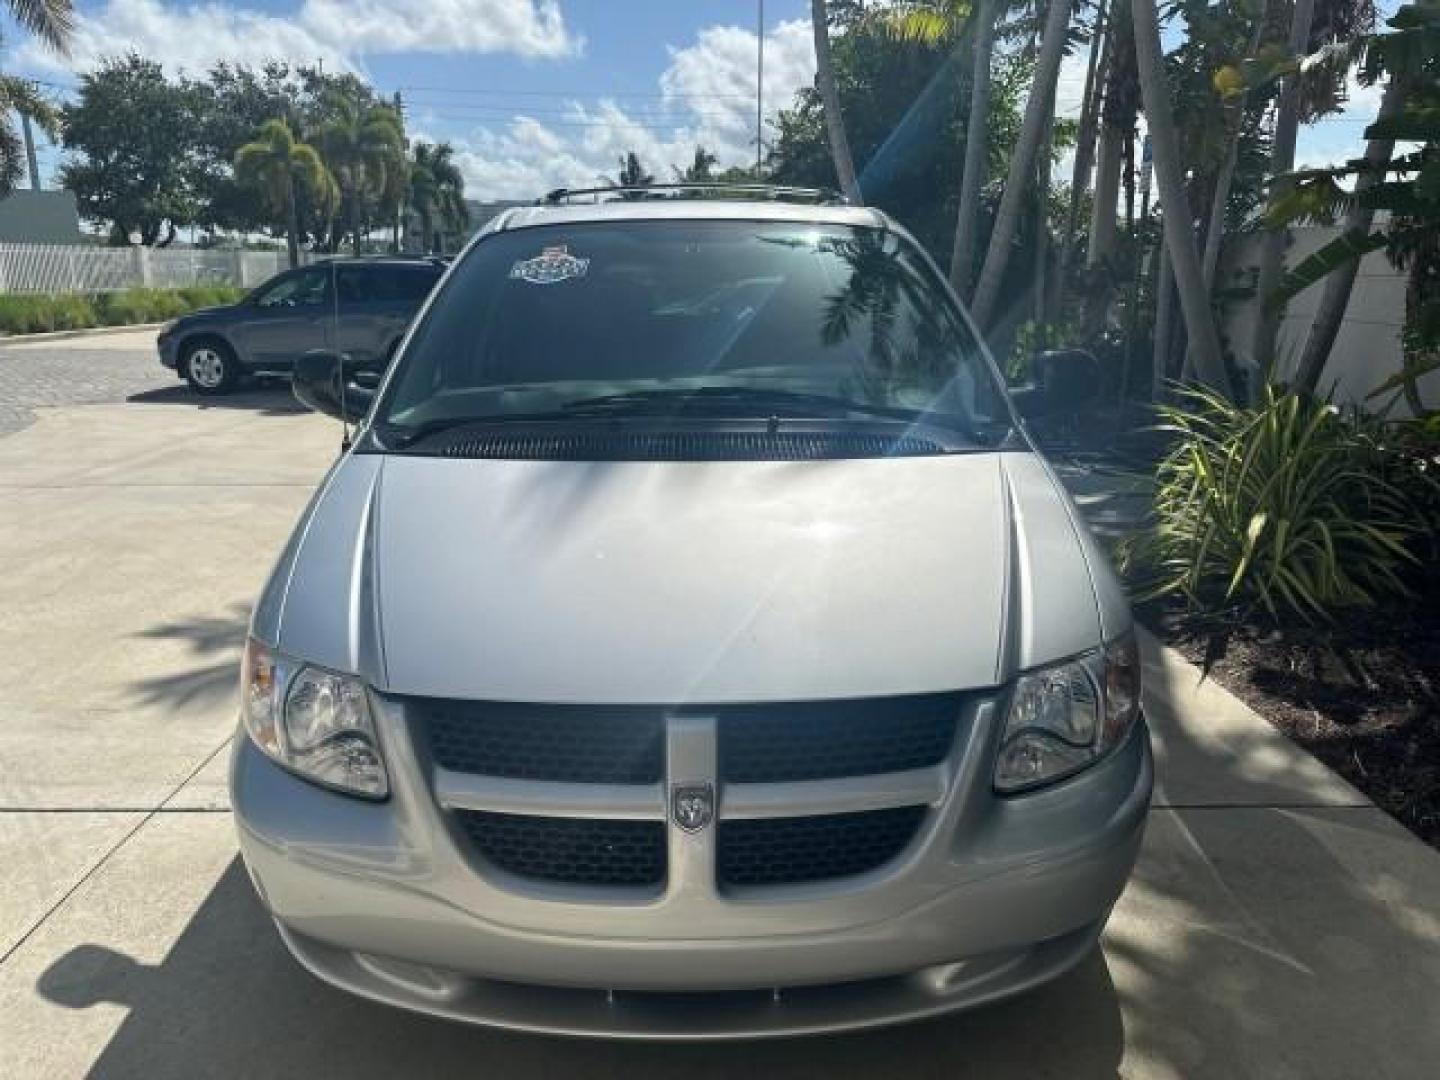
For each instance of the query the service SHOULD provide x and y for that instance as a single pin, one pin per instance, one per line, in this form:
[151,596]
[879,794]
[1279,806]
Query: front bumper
[1002,894]
[168,346]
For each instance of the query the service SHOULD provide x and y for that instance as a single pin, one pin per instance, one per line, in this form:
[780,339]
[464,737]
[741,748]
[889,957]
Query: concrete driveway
[1278,925]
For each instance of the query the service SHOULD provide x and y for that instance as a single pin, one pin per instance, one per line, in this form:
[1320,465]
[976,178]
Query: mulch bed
[1362,695]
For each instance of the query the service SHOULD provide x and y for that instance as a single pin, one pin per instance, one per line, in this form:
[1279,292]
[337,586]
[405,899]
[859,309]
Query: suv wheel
[209,367]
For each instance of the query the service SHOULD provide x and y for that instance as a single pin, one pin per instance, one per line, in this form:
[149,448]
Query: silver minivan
[691,644]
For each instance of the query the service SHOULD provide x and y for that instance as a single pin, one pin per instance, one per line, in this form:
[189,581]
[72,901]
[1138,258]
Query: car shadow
[228,1000]
[270,398]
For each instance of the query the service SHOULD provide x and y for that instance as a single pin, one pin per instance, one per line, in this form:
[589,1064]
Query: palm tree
[437,191]
[1358,219]
[1184,260]
[1236,100]
[942,21]
[1101,46]
[1038,115]
[361,142]
[632,173]
[701,170]
[23,97]
[830,96]
[53,22]
[1282,161]
[281,166]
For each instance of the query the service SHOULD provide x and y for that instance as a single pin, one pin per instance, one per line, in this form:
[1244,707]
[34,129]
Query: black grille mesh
[582,745]
[822,740]
[686,446]
[787,851]
[811,740]
[576,851]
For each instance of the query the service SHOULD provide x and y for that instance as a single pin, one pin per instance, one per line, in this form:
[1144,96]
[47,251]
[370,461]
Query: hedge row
[33,314]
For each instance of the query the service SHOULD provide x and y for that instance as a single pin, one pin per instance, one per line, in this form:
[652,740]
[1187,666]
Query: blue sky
[533,93]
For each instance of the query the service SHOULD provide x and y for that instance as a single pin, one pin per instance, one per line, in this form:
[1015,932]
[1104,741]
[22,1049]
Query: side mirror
[317,384]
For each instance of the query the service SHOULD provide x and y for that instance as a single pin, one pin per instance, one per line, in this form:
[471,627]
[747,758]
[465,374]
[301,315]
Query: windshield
[755,318]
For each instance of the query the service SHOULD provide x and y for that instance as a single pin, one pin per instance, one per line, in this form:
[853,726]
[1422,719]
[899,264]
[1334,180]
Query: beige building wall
[1367,350]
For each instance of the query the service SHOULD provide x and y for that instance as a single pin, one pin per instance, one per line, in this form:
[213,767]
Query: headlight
[167,328]
[314,722]
[1065,717]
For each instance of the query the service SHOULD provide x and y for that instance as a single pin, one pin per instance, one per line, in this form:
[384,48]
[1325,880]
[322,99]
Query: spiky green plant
[1288,507]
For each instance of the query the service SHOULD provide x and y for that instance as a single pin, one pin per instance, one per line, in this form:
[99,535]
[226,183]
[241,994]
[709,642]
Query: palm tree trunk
[292,222]
[1282,160]
[1084,147]
[830,95]
[1417,288]
[1338,285]
[1107,195]
[1170,178]
[1037,115]
[1224,178]
[1164,306]
[972,177]
[1042,218]
[355,222]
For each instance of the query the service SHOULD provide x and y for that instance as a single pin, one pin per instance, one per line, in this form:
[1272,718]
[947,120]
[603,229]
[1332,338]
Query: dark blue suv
[360,307]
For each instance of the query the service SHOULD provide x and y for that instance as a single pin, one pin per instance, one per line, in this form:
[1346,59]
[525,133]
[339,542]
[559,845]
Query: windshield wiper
[710,397]
[768,404]
[404,435]
[775,405]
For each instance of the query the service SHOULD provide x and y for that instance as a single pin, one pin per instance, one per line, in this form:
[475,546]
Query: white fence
[67,268]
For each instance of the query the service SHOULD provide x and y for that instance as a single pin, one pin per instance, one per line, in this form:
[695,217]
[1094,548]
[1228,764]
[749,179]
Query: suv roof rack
[695,190]
[379,256]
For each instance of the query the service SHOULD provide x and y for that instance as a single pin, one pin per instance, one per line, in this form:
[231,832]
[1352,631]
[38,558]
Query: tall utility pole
[30,152]
[759,88]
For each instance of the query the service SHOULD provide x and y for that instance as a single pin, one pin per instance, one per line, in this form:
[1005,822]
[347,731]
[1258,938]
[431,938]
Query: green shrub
[1288,507]
[72,311]
[20,314]
[25,313]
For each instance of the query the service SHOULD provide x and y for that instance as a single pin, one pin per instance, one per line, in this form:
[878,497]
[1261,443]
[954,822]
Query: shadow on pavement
[214,643]
[269,399]
[228,1000]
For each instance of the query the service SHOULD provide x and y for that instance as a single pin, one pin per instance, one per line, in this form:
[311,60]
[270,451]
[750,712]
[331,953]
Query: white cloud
[715,77]
[1335,139]
[532,28]
[707,98]
[193,37]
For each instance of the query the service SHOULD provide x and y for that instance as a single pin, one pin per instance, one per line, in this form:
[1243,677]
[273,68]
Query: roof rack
[755,192]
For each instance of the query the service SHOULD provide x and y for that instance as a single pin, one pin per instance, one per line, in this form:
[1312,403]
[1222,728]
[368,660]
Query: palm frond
[1332,256]
[52,21]
[12,158]
[927,24]
[24,96]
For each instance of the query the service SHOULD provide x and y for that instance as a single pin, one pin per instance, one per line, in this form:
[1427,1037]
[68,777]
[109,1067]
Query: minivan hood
[670,582]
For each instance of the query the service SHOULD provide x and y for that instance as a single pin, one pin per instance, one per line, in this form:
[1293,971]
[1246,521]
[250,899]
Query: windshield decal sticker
[552,266]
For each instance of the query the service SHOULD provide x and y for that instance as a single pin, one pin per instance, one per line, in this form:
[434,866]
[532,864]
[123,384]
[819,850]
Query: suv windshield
[745,318]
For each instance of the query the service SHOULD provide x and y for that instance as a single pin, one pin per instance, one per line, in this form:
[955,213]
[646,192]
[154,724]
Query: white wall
[1367,350]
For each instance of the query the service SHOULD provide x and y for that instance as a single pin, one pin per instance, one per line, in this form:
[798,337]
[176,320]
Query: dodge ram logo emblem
[692,805]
